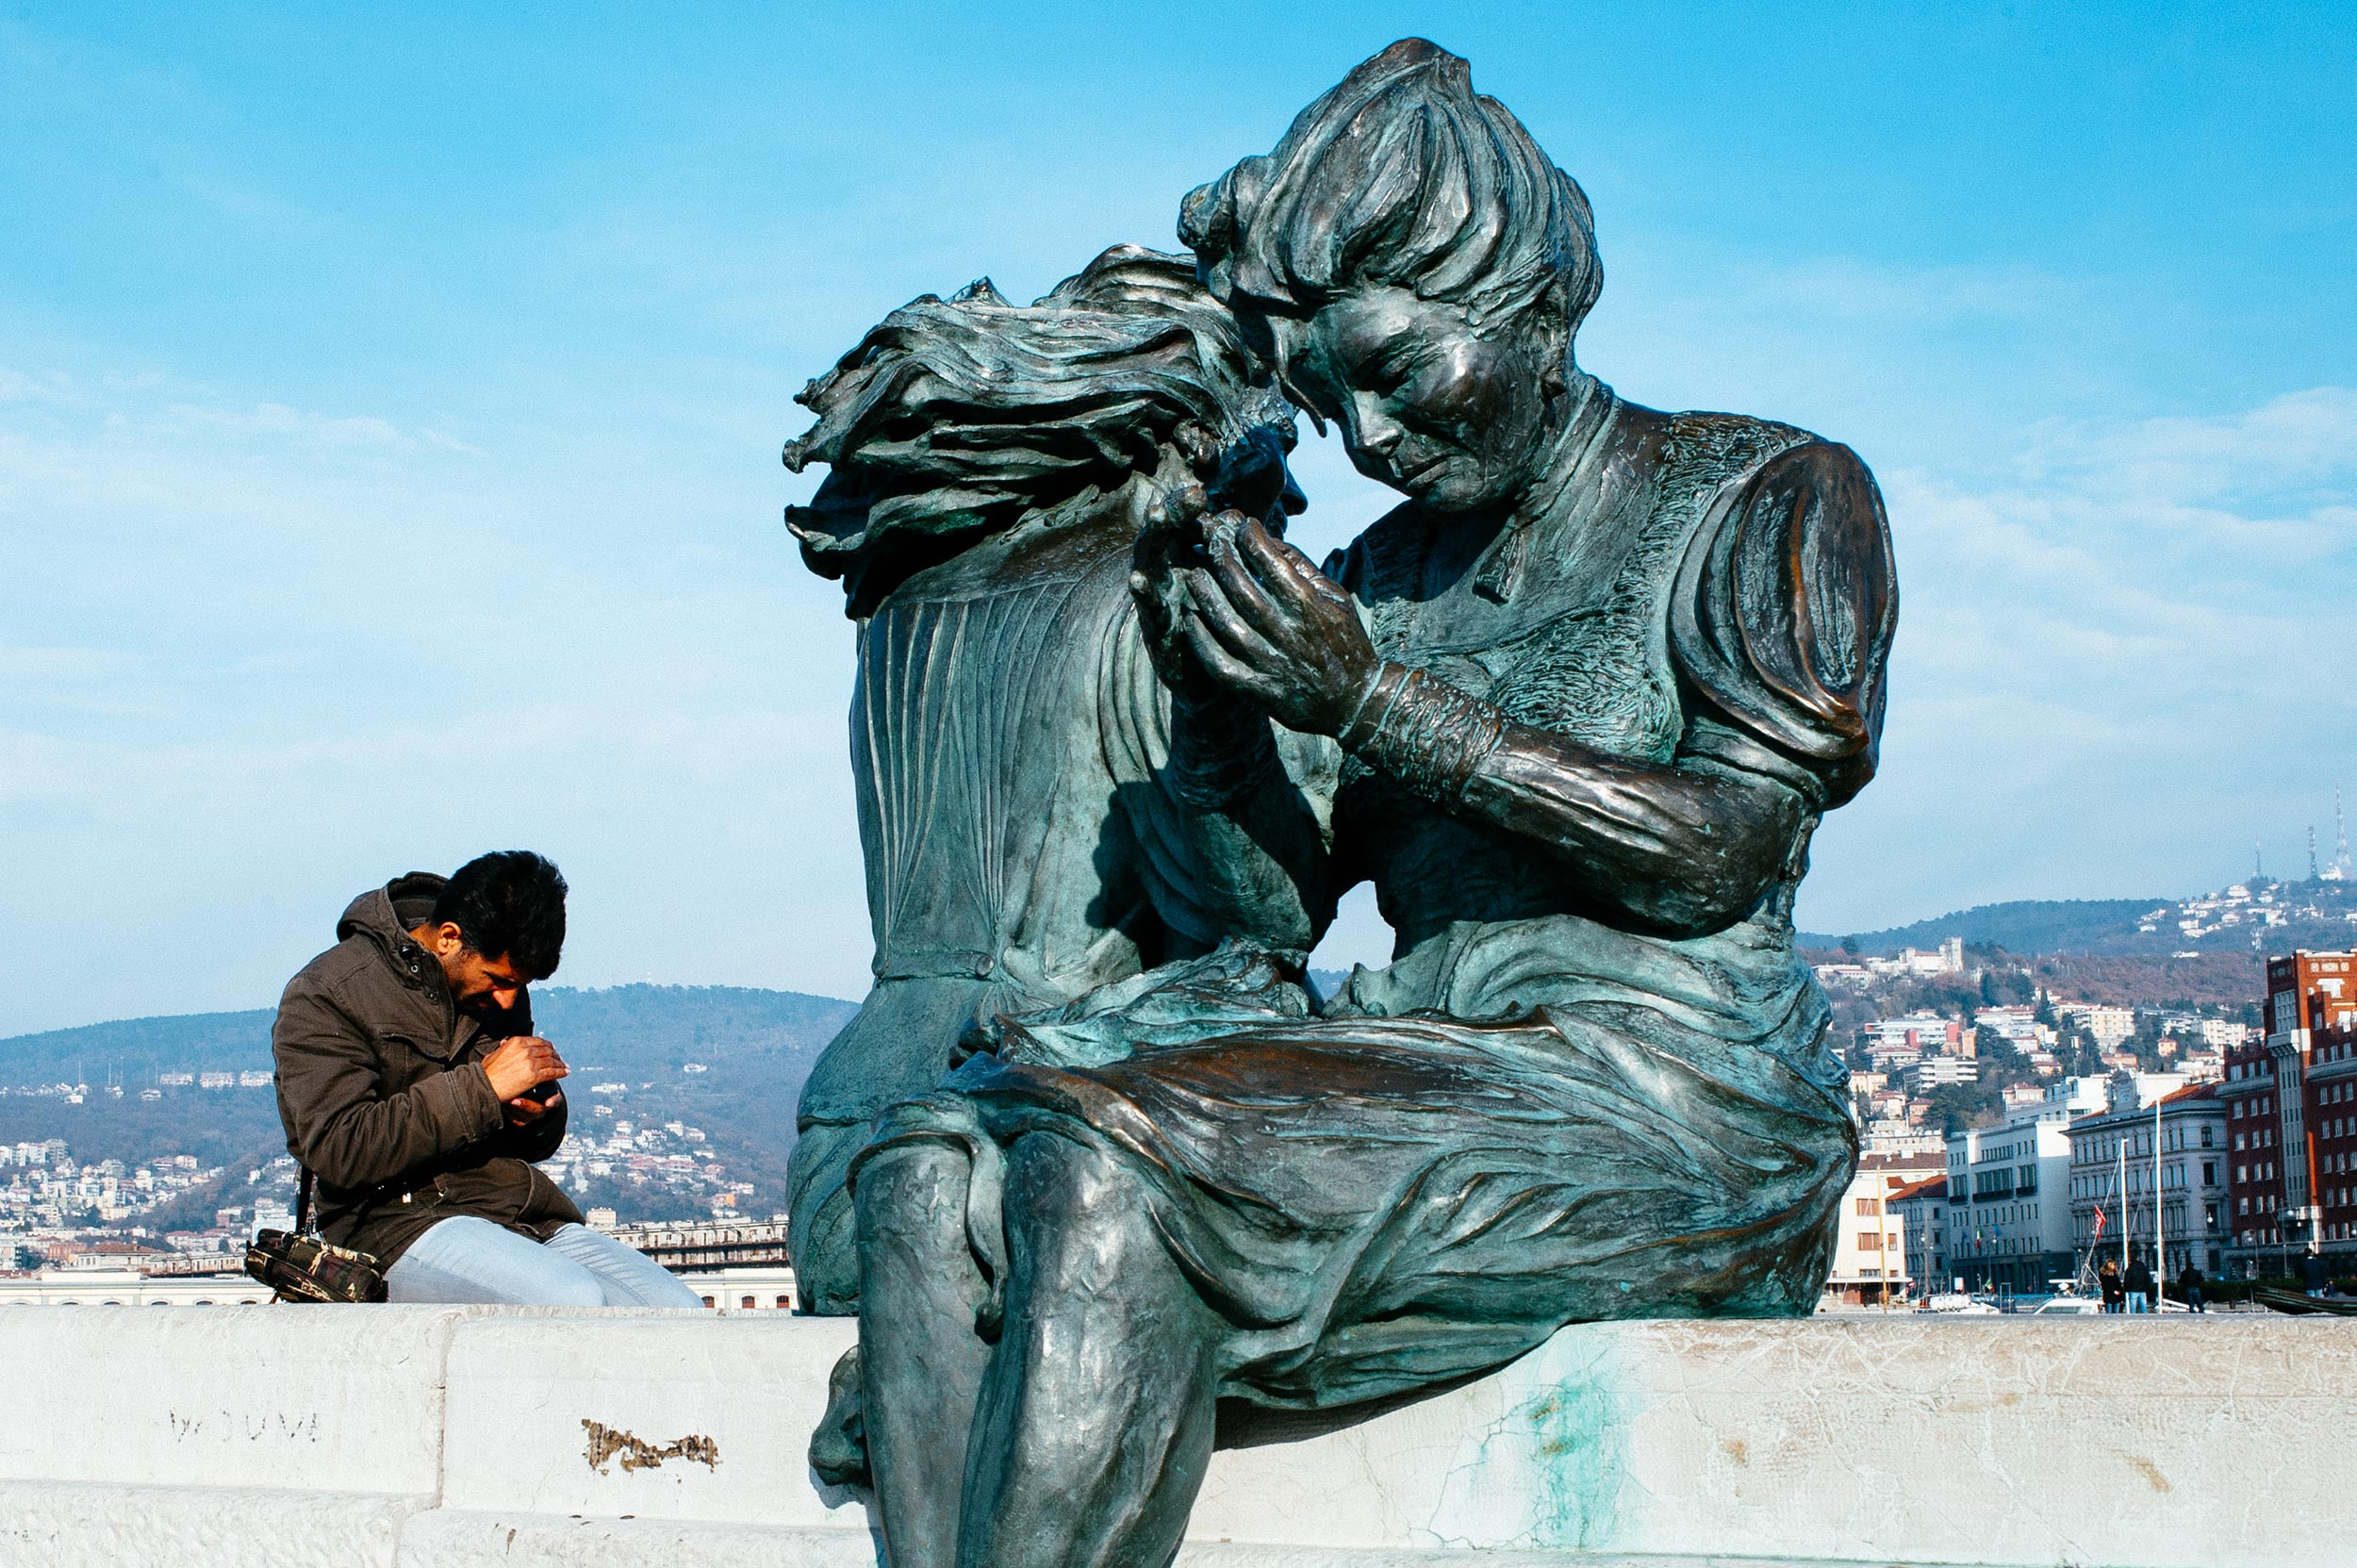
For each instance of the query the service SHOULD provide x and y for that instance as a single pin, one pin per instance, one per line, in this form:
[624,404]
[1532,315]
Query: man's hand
[524,1110]
[520,1063]
[1267,623]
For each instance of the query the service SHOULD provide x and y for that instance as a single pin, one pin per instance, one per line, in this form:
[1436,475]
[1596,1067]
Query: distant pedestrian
[2142,1294]
[2190,1286]
[2312,1275]
[2114,1294]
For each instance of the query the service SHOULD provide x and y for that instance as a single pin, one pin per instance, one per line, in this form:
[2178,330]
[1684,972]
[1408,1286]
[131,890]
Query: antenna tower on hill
[2340,870]
[2316,872]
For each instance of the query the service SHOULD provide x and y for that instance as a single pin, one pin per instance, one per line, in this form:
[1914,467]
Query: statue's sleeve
[1783,618]
[1230,814]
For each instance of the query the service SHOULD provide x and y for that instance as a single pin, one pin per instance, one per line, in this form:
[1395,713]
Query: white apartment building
[1918,1033]
[2016,1026]
[1933,1072]
[2008,1214]
[2106,1026]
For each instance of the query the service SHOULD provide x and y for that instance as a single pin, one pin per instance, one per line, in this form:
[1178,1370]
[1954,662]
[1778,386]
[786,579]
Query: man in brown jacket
[413,1089]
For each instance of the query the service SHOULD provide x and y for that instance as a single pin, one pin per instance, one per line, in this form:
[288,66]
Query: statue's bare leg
[1096,1419]
[921,1361]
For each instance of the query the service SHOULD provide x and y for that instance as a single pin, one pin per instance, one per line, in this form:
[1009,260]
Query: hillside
[727,1061]
[649,1026]
[2260,917]
[2026,926]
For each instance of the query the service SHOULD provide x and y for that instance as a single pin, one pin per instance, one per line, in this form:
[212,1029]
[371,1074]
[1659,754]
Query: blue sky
[390,403]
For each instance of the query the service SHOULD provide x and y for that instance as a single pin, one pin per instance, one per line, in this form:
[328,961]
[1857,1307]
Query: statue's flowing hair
[954,419]
[1403,175]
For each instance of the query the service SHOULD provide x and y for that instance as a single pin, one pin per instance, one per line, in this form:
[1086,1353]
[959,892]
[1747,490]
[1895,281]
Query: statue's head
[1416,267]
[956,419]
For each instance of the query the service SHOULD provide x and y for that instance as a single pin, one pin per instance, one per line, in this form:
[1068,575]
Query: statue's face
[1452,416]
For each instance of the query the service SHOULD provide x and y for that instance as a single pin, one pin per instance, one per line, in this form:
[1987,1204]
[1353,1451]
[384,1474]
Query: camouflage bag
[298,1266]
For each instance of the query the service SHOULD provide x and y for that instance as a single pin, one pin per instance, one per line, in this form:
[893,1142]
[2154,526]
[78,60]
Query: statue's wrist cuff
[1373,703]
[1423,731]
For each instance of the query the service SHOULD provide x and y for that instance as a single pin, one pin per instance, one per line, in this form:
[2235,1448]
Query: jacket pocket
[410,1055]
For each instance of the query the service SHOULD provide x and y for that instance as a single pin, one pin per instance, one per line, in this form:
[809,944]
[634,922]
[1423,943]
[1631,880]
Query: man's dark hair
[508,905]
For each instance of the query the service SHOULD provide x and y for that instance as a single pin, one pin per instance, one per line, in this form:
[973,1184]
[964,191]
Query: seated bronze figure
[1582,699]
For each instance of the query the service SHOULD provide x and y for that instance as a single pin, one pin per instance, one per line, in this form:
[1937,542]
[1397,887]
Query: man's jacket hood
[374,914]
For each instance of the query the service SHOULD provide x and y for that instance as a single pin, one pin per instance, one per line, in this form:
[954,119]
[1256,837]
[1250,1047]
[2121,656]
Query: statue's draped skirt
[1378,1203]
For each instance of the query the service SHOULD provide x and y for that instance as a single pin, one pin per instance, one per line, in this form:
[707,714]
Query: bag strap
[303,1205]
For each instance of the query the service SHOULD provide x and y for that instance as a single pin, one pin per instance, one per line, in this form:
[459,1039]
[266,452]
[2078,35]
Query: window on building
[1868,1207]
[1869,1242]
[2205,1137]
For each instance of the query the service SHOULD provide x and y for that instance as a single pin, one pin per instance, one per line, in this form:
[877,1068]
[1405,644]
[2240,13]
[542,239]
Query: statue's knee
[1053,1175]
[1071,1207]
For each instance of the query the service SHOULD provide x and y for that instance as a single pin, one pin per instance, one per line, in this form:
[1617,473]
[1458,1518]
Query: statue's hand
[1265,622]
[1170,539]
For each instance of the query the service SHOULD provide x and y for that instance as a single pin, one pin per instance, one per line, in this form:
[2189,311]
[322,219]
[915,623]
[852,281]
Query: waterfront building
[1869,1251]
[2191,1168]
[2273,1091]
[2008,1221]
[2332,1096]
[1921,1210]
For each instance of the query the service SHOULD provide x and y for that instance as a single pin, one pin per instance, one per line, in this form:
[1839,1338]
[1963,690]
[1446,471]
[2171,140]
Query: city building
[2106,1026]
[2333,1095]
[2015,1026]
[1870,1263]
[764,1288]
[1935,1072]
[2272,1105]
[1899,1138]
[2007,1218]
[1920,1207]
[2188,1172]
[1916,1034]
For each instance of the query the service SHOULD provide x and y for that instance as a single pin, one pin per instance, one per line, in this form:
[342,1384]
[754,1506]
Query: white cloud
[2120,660]
[261,655]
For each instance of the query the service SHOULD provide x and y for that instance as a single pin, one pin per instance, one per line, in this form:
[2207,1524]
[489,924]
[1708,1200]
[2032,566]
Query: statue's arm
[1780,631]
[1686,848]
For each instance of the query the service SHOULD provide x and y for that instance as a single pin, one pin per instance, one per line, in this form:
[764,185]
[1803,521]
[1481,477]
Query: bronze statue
[1590,690]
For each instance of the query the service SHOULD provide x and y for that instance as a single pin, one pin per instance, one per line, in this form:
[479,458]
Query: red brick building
[2291,1119]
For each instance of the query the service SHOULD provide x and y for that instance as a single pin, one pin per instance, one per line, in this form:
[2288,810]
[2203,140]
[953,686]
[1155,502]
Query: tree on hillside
[1959,1107]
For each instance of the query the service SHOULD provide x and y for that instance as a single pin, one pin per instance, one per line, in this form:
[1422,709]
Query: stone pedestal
[435,1438]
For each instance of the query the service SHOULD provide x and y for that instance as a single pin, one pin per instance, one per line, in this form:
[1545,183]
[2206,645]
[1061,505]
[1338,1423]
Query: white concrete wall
[435,1438]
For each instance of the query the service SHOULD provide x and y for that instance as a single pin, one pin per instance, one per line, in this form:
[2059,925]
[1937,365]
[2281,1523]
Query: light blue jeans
[473,1262]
